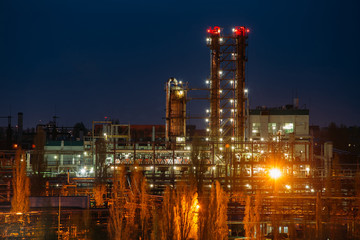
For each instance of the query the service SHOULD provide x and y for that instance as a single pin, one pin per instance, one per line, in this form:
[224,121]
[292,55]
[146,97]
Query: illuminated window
[288,127]
[255,130]
[272,128]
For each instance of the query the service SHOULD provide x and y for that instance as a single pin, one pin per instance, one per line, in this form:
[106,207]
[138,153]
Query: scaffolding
[228,96]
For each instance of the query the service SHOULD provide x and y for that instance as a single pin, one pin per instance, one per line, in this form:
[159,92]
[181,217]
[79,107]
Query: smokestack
[153,134]
[296,103]
[20,127]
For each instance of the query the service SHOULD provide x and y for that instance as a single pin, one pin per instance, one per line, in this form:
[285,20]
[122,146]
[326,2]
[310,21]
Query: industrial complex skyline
[87,60]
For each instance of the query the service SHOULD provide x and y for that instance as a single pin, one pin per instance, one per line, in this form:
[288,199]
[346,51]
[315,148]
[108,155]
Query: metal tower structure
[228,96]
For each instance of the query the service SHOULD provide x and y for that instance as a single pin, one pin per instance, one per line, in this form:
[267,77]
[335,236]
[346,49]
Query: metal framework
[227,114]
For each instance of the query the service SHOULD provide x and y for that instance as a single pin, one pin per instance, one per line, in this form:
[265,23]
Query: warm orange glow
[275,173]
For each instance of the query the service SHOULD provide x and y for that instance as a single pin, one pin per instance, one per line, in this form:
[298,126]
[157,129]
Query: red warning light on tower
[241,31]
[214,31]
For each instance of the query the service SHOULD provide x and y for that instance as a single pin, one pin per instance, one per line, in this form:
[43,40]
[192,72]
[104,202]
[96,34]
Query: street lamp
[275,173]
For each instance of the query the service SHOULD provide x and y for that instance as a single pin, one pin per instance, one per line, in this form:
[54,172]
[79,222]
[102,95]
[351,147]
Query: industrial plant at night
[281,179]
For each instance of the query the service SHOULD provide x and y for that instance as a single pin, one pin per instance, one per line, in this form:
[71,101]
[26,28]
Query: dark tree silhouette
[20,182]
[79,130]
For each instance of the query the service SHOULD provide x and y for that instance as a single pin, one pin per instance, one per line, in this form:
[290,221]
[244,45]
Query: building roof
[279,111]
[66,143]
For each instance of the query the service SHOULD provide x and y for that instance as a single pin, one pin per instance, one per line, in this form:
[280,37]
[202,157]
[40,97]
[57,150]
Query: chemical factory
[267,151]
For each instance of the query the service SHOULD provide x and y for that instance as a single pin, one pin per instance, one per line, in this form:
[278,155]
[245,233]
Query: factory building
[267,123]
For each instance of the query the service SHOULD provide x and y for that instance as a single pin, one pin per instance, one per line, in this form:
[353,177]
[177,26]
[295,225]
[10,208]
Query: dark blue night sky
[90,59]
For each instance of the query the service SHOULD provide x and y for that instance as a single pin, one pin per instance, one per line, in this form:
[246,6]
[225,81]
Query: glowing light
[220,91]
[220,139]
[83,171]
[307,187]
[220,130]
[231,120]
[207,110]
[207,139]
[220,72]
[220,148]
[206,120]
[151,185]
[232,138]
[262,139]
[207,81]
[214,168]
[246,91]
[180,82]
[197,207]
[231,100]
[208,130]
[275,173]
[288,187]
[233,147]
[214,31]
[312,190]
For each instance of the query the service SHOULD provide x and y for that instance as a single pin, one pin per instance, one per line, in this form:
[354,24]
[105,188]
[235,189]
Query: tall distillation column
[214,45]
[240,35]
[175,111]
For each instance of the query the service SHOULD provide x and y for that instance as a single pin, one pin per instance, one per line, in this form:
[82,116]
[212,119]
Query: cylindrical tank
[175,110]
